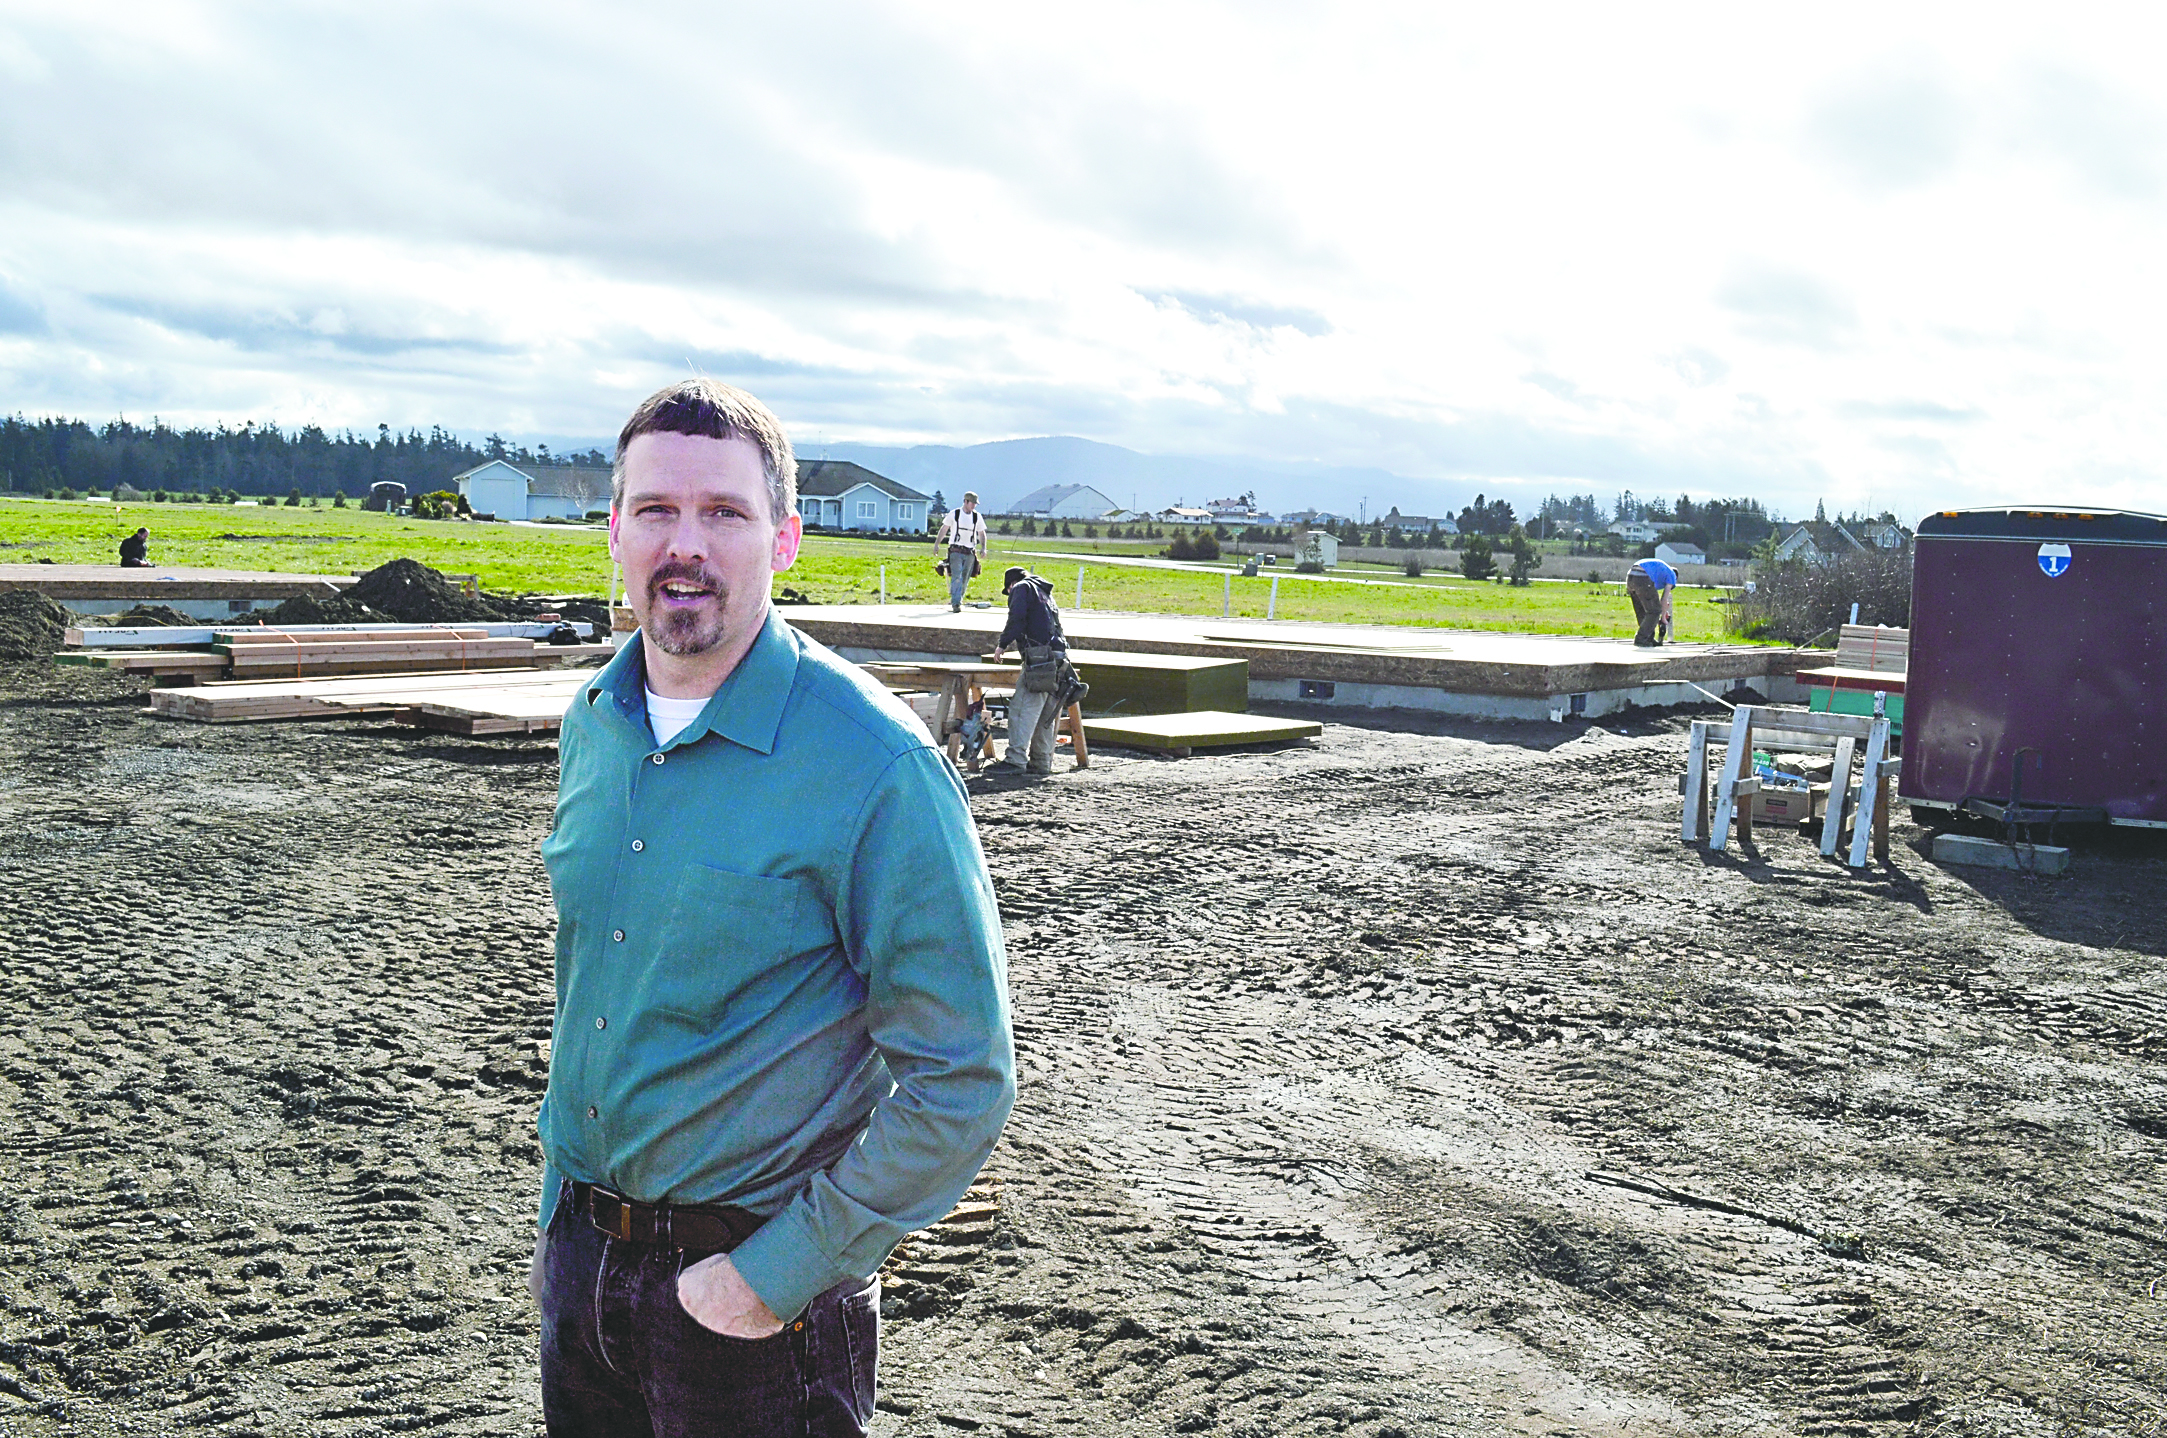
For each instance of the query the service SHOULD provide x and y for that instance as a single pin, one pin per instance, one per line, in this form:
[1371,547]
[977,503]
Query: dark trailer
[2038,655]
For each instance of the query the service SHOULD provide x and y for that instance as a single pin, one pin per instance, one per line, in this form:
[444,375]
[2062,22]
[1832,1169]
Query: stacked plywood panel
[195,655]
[524,700]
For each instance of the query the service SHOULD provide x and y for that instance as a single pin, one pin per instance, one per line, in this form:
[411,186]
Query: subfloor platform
[1459,671]
[1205,729]
[198,593]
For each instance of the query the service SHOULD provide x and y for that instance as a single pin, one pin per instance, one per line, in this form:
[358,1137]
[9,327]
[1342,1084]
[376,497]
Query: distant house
[1418,523]
[1884,535]
[537,491]
[1178,515]
[1241,508]
[1817,544]
[1679,552]
[840,494]
[1635,531]
[1312,517]
[1063,501]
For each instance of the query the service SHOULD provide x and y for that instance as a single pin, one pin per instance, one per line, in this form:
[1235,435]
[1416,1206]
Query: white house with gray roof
[840,494]
[540,491]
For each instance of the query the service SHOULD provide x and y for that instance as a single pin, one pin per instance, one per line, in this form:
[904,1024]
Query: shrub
[1411,565]
[1525,558]
[338,499]
[1594,577]
[1181,548]
[158,496]
[1798,603]
[1475,558]
[67,491]
[1309,566]
[1206,546]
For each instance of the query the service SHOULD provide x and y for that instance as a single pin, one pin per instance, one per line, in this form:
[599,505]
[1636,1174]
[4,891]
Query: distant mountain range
[1005,470]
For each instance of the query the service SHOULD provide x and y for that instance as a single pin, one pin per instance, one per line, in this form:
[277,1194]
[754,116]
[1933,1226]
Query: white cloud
[1587,248]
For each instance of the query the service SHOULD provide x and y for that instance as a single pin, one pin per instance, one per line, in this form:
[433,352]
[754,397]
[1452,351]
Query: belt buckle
[623,1228]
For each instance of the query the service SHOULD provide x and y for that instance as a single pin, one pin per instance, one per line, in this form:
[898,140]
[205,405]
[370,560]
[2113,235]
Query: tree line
[52,455]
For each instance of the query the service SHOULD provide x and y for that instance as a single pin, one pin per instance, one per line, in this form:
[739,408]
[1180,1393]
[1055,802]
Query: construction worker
[1650,585]
[962,540]
[135,550]
[1048,683]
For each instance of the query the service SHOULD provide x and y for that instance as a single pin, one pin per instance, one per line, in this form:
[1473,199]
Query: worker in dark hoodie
[1048,683]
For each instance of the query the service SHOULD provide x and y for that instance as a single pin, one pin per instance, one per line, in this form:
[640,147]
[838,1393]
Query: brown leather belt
[702,1228]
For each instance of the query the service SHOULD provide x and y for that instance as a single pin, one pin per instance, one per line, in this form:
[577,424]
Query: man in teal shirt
[782,1035]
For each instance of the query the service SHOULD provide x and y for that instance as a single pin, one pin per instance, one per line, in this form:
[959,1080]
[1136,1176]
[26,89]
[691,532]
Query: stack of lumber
[271,653]
[1870,659]
[194,655]
[514,701]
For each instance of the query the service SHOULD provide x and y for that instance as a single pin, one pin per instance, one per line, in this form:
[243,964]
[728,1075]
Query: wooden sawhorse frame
[1791,730]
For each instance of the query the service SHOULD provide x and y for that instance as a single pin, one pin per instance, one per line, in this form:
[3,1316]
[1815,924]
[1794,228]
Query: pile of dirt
[413,593]
[163,616]
[307,609]
[30,625]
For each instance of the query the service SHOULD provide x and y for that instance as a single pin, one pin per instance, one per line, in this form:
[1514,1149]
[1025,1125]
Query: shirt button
[637,846]
[600,1022]
[593,1112]
[658,758]
[618,935]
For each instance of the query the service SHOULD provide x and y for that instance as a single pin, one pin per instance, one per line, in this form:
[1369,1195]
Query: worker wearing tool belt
[1650,585]
[1048,683]
[963,538]
[781,1036]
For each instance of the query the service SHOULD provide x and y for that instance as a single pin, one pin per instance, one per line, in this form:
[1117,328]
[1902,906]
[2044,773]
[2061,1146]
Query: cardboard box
[1781,806]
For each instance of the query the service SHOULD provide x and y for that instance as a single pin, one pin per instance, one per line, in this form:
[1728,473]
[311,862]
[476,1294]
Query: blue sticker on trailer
[2054,560]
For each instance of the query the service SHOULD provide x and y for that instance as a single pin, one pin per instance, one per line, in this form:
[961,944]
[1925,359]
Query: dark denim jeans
[621,1357]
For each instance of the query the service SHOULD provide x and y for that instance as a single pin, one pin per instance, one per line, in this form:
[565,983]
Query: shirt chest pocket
[732,939]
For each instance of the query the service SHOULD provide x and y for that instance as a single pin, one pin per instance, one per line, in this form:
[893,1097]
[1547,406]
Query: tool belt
[1042,666]
[946,566]
[696,1228]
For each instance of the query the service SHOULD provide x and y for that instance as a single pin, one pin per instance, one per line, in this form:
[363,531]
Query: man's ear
[788,536]
[613,535]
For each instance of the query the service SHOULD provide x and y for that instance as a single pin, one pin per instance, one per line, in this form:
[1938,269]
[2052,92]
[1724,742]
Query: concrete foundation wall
[1595,703]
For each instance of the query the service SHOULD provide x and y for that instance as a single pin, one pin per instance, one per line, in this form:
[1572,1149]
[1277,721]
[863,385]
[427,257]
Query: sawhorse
[1791,730]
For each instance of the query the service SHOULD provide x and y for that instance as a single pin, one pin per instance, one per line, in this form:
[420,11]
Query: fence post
[1271,606]
[1079,586]
[884,584]
[1226,606]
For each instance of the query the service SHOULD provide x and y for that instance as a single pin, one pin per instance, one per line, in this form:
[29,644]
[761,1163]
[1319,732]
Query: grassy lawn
[575,560]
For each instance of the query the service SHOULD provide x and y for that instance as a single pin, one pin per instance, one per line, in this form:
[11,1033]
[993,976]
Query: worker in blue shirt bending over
[1650,585]
[782,1036]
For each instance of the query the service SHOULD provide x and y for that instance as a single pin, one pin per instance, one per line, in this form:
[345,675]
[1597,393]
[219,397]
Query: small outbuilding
[1316,547]
[1680,553]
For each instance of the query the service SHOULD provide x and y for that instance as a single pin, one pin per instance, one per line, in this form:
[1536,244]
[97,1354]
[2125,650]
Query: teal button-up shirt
[780,980]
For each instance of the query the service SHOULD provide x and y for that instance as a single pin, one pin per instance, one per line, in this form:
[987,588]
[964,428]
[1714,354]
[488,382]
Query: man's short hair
[969,495]
[710,408]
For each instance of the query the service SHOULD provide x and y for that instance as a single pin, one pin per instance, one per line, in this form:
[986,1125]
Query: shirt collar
[746,710]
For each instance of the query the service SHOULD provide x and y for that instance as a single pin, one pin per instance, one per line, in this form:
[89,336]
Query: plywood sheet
[1207,729]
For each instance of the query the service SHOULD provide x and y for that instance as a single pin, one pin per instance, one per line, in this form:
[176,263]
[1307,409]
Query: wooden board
[1208,729]
[1126,684]
[183,636]
[1873,648]
[343,698]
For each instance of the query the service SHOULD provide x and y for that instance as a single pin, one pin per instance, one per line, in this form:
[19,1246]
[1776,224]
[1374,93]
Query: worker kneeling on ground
[1650,585]
[1048,683]
[135,550]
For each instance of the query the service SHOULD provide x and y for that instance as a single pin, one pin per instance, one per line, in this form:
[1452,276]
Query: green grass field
[575,560]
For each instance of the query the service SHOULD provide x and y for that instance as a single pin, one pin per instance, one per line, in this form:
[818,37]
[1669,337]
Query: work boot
[1045,769]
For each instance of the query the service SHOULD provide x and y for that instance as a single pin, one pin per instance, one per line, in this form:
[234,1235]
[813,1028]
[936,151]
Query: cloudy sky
[1807,256]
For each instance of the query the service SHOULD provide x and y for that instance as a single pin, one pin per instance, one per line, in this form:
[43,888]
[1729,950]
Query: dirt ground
[1365,1089]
